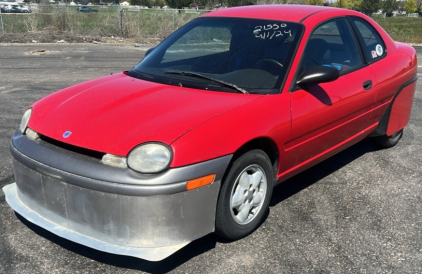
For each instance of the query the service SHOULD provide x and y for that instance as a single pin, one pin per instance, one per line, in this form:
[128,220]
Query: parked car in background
[194,138]
[11,9]
[24,8]
[86,9]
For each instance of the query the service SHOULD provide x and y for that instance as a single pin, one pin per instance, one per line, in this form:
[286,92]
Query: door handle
[367,84]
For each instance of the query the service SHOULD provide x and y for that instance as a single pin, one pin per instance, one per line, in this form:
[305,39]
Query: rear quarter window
[372,43]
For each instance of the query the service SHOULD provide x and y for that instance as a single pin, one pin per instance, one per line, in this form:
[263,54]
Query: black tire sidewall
[388,141]
[226,226]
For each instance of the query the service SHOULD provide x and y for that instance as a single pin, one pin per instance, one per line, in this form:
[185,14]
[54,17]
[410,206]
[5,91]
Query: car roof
[293,13]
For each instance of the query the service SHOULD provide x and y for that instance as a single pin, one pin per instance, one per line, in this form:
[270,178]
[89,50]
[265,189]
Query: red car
[194,138]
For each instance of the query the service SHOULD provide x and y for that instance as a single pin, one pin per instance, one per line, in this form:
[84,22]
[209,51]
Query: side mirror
[318,74]
[149,51]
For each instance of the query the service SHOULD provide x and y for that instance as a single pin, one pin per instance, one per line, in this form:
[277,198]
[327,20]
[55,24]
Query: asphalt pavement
[357,212]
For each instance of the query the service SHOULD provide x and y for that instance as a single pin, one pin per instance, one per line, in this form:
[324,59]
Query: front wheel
[245,195]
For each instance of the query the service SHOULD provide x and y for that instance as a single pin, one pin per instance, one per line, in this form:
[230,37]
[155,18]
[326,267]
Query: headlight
[150,158]
[25,120]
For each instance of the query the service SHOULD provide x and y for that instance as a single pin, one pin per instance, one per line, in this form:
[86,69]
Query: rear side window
[373,46]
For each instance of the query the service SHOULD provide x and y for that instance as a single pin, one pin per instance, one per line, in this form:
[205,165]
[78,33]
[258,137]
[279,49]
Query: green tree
[370,6]
[342,4]
[235,3]
[355,4]
[410,6]
[145,3]
[178,4]
[208,4]
[315,2]
[159,3]
[389,6]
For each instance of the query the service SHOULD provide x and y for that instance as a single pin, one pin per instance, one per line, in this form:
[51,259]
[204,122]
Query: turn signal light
[203,181]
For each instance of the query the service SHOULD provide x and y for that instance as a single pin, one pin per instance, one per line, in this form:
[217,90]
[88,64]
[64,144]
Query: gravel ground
[357,212]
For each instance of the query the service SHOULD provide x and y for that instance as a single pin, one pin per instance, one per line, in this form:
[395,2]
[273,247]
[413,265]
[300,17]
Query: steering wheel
[268,60]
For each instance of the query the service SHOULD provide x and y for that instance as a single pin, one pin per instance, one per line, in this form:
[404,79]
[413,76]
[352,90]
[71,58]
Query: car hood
[114,114]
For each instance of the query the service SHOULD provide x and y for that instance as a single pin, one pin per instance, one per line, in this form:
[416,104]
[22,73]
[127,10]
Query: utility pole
[2,27]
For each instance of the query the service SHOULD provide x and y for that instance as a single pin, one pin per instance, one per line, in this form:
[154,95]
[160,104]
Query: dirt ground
[67,37]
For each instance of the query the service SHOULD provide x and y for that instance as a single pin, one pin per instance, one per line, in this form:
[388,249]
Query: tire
[244,195]
[388,141]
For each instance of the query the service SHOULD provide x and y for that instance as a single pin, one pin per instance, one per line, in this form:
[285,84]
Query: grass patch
[153,24]
[403,29]
[140,24]
[109,21]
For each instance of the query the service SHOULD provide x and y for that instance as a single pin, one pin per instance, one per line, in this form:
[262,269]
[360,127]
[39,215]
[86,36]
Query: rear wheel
[245,195]
[388,141]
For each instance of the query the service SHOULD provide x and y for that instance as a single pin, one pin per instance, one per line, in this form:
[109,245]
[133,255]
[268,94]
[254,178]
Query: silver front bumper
[140,223]
[147,253]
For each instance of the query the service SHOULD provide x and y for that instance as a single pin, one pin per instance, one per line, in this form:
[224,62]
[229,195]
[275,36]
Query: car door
[327,115]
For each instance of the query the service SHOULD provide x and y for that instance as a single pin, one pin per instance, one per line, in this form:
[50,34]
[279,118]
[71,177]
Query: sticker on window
[379,50]
[374,54]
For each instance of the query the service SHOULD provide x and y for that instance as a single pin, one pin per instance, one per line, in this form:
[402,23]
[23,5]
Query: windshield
[224,54]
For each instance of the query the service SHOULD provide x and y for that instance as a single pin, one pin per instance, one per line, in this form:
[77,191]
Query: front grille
[76,149]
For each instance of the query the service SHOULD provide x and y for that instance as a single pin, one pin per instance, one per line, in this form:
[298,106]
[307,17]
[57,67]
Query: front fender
[268,117]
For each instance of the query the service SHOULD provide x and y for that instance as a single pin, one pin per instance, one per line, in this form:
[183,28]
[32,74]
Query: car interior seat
[316,53]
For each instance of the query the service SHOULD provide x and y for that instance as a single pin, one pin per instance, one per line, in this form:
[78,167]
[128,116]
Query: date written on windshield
[271,31]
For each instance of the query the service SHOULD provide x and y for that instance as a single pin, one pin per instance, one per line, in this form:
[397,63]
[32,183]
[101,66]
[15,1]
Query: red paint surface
[116,113]
[400,112]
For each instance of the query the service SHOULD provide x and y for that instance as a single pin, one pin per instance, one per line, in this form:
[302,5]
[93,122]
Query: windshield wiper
[233,86]
[139,74]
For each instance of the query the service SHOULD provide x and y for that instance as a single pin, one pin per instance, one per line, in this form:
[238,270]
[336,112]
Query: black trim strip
[381,130]
[307,16]
[289,67]
[356,38]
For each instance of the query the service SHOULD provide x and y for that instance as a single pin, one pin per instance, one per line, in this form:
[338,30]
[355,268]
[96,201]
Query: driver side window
[332,45]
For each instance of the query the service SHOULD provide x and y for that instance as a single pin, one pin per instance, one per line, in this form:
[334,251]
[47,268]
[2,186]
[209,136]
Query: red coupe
[194,138]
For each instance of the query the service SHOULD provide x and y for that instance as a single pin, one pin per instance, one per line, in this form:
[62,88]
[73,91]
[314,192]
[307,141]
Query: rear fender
[397,115]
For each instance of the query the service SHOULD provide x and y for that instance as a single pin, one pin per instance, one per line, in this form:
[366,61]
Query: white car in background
[24,8]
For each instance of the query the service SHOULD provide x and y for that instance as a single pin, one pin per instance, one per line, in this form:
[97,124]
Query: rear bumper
[133,215]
